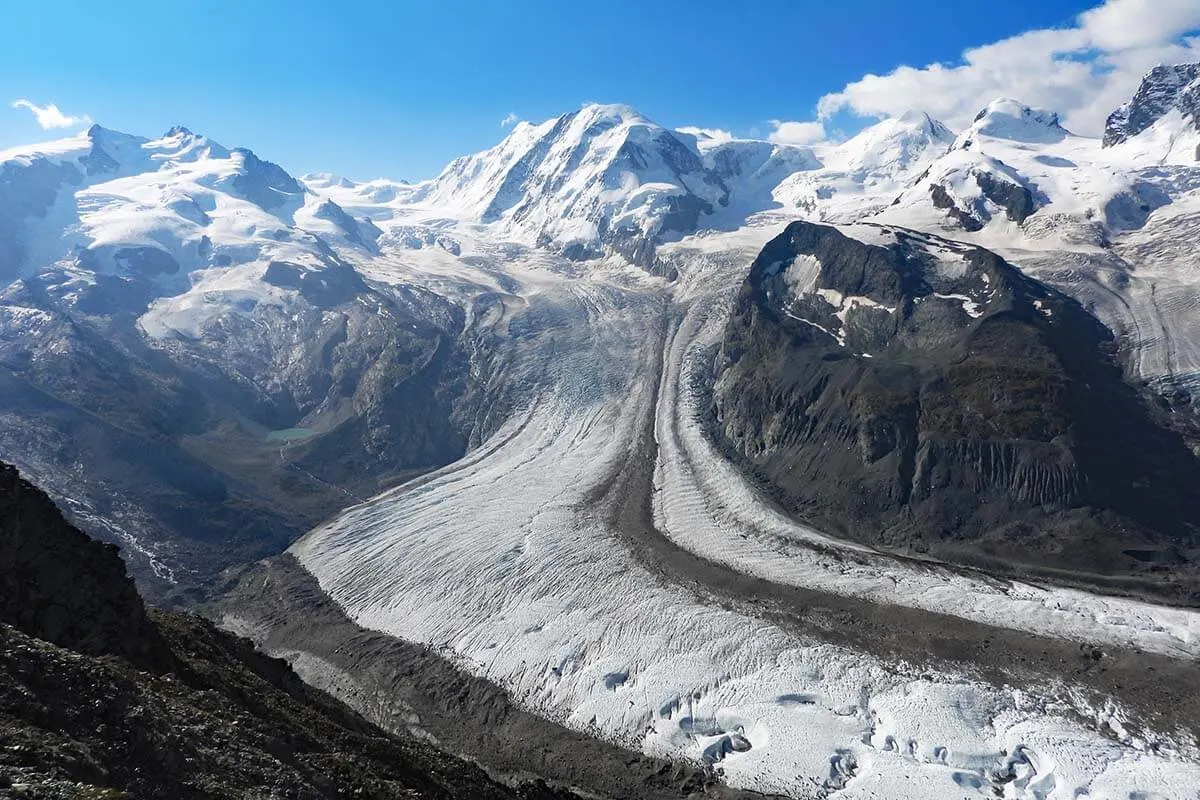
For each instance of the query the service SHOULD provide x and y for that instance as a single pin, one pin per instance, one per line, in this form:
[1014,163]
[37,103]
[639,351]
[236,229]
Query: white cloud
[1129,24]
[509,119]
[1083,72]
[49,116]
[715,134]
[786,132]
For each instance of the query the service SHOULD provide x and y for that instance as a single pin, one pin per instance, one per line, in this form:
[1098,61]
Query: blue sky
[399,88]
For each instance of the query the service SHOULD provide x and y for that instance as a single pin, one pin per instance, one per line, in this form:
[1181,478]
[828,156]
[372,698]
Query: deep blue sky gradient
[371,87]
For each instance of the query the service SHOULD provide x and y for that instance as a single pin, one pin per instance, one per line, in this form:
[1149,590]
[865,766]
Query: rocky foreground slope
[927,397]
[100,697]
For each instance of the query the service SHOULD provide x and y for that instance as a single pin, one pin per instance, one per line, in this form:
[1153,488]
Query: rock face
[975,190]
[925,396]
[184,709]
[57,584]
[1162,89]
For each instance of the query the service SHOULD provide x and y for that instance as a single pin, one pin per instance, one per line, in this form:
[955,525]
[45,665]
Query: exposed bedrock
[926,397]
[57,584]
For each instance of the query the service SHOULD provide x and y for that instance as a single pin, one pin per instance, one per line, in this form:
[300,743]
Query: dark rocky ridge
[989,428]
[1003,187]
[1162,89]
[59,585]
[130,704]
[409,688]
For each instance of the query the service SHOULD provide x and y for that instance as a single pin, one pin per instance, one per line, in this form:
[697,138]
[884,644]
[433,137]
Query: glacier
[510,561]
[610,249]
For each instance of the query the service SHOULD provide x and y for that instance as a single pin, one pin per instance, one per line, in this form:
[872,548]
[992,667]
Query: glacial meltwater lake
[290,435]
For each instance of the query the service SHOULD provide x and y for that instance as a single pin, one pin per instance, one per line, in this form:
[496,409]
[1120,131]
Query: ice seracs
[751,170]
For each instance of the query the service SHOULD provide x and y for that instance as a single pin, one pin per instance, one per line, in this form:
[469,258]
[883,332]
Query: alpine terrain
[614,460]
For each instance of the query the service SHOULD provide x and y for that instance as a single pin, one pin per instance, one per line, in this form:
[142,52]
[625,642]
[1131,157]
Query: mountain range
[557,412]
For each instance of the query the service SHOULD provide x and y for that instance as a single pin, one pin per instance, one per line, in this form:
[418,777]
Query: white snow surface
[175,195]
[862,175]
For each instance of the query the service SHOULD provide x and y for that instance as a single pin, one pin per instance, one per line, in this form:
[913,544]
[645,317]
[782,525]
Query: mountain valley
[856,469]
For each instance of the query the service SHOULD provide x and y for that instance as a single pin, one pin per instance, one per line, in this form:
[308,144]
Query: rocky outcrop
[974,188]
[1162,89]
[926,397]
[57,584]
[263,183]
[227,722]
[1015,198]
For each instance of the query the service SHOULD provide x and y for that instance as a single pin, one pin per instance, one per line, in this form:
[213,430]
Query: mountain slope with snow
[1163,90]
[861,175]
[604,177]
[198,360]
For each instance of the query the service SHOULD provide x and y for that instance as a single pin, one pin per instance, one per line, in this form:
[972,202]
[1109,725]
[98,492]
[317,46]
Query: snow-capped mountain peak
[99,135]
[915,116]
[609,113]
[1163,89]
[1008,119]
[108,150]
[181,144]
[602,178]
[165,216]
[864,173]
[892,145]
